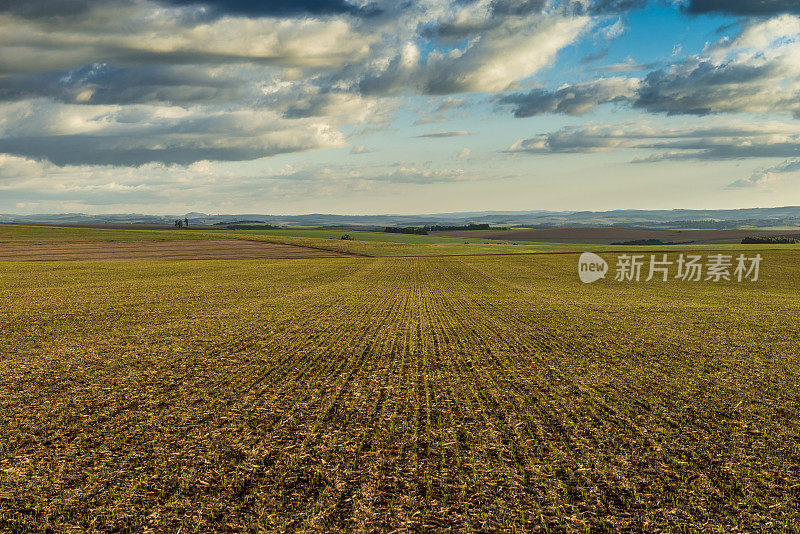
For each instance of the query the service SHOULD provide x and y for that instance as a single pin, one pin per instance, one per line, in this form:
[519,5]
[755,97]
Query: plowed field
[470,394]
[158,250]
[614,235]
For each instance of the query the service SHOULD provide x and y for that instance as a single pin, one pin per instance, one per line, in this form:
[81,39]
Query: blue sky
[365,107]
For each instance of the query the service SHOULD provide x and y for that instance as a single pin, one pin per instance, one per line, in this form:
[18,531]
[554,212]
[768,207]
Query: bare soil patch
[606,236]
[222,249]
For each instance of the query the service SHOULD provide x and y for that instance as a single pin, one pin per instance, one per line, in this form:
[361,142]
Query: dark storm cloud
[42,9]
[594,7]
[744,7]
[502,9]
[120,151]
[100,83]
[571,100]
[271,8]
[39,9]
[701,88]
[517,7]
[134,151]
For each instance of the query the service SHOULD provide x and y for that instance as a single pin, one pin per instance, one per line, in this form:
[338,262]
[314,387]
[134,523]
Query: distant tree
[346,236]
[186,221]
[179,223]
[470,226]
[405,230]
[770,240]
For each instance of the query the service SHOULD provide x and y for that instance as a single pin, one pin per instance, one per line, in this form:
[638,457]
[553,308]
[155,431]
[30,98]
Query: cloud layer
[120,83]
[94,92]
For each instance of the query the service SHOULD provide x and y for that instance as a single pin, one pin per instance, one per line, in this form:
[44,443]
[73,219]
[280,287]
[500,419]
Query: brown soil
[612,235]
[223,249]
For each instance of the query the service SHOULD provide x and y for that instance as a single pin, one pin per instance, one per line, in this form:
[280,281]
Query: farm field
[12,236]
[16,233]
[462,394]
[187,249]
[118,232]
[386,237]
[606,236]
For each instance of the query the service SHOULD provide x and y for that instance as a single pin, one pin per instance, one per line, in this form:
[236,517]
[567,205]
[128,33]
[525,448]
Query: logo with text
[664,267]
[591,267]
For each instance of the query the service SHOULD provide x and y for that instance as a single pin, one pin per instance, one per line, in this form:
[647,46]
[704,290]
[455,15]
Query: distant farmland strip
[606,236]
[159,250]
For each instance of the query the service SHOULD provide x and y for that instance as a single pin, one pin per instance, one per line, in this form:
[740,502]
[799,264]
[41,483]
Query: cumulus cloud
[101,83]
[144,33]
[34,9]
[272,8]
[755,72]
[201,9]
[178,86]
[572,99]
[499,55]
[457,133]
[724,141]
[415,175]
[765,177]
[628,65]
[137,134]
[127,83]
[451,103]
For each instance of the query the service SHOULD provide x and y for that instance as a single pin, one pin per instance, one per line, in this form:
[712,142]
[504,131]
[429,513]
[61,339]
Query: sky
[417,106]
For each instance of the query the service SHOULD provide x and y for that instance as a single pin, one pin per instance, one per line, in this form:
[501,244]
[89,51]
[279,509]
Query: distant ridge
[676,218]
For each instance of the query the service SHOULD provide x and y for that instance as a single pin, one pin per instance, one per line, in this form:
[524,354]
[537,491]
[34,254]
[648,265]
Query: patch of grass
[487,393]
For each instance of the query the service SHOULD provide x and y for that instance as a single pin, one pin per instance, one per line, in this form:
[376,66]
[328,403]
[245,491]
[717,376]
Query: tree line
[423,230]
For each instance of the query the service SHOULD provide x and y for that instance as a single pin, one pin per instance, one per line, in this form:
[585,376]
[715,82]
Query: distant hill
[666,219]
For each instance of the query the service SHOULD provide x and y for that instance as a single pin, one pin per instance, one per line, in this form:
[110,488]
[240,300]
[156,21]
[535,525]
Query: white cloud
[457,133]
[719,140]
[765,177]
[143,32]
[756,72]
[494,60]
[133,135]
